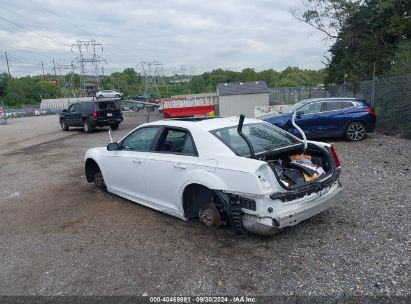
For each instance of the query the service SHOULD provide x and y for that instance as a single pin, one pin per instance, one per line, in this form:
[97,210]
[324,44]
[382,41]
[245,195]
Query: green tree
[366,33]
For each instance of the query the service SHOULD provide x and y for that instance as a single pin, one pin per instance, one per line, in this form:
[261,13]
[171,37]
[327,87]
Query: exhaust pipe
[240,132]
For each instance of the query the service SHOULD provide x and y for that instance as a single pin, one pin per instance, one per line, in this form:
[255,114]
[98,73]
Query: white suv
[108,94]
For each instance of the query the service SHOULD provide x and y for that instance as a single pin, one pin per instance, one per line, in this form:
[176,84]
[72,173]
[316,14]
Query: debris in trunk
[297,169]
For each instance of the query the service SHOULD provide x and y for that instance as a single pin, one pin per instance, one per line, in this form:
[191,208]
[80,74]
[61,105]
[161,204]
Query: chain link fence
[390,96]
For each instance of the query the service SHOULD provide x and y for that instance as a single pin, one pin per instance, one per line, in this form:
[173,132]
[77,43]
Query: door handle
[180,166]
[138,161]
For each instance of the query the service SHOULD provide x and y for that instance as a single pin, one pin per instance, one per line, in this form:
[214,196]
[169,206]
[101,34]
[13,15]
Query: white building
[241,98]
[58,104]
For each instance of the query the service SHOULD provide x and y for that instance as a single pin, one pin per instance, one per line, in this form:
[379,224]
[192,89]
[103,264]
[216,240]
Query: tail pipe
[240,132]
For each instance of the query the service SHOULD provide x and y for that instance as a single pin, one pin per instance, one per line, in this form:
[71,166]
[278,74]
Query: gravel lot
[62,236]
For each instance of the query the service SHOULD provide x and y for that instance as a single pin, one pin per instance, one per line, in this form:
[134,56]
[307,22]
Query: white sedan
[108,94]
[247,173]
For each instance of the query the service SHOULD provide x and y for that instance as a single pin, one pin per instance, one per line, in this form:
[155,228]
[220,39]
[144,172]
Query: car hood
[278,118]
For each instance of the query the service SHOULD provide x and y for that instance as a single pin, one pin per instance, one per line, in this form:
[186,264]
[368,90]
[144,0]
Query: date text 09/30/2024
[203,299]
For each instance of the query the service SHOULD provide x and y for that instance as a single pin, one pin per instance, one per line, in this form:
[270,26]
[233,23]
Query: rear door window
[312,108]
[333,105]
[176,141]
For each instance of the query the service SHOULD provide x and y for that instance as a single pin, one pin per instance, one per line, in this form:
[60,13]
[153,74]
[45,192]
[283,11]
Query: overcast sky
[207,34]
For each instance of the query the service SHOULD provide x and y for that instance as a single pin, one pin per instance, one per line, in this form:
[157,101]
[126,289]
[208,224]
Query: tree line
[15,92]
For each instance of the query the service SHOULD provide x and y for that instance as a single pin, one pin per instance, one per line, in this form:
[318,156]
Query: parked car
[108,94]
[90,115]
[143,102]
[137,106]
[220,170]
[14,113]
[328,117]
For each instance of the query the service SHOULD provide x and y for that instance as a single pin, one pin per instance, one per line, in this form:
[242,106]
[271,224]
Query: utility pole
[7,61]
[54,68]
[42,67]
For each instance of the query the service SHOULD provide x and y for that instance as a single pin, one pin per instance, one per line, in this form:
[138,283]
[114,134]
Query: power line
[60,17]
[75,25]
[33,32]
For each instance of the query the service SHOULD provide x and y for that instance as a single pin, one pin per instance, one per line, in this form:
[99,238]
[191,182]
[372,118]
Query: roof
[205,124]
[328,99]
[241,88]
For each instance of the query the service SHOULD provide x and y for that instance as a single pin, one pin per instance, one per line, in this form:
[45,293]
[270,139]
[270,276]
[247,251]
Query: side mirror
[64,111]
[112,146]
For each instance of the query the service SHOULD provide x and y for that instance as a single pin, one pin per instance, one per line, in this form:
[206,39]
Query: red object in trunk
[335,157]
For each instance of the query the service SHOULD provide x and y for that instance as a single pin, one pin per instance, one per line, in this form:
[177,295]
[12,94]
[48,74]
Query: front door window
[141,140]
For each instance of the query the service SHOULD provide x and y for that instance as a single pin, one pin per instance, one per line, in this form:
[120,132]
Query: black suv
[91,114]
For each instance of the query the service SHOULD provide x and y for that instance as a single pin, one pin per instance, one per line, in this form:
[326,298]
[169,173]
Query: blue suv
[328,117]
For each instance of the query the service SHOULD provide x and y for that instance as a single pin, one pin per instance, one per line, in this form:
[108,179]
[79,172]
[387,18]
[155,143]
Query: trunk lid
[108,109]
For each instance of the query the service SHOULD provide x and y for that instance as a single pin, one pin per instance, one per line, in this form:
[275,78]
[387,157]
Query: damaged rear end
[296,179]
[301,193]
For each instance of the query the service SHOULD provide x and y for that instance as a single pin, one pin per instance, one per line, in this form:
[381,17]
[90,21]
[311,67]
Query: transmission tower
[182,75]
[66,76]
[88,62]
[153,74]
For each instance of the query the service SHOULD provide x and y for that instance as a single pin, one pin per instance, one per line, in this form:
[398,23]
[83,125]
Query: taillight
[335,157]
[94,115]
[371,111]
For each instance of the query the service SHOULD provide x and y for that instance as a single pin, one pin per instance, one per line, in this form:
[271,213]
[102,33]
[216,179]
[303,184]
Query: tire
[100,96]
[117,96]
[87,128]
[355,131]
[64,125]
[114,127]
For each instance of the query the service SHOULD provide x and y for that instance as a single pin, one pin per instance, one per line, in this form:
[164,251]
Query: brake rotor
[210,215]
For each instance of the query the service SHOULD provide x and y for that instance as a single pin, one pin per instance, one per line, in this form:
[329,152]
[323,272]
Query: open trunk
[295,168]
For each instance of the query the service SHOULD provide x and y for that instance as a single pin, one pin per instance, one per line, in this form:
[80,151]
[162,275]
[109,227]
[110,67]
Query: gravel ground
[62,236]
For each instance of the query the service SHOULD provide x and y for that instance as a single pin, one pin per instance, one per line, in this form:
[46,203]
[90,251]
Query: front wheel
[64,125]
[87,127]
[117,96]
[100,96]
[355,131]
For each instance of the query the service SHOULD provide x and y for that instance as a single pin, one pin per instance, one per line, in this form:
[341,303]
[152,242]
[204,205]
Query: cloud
[210,34]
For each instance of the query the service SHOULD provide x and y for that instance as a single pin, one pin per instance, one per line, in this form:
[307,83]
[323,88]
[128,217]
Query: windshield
[293,107]
[263,137]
